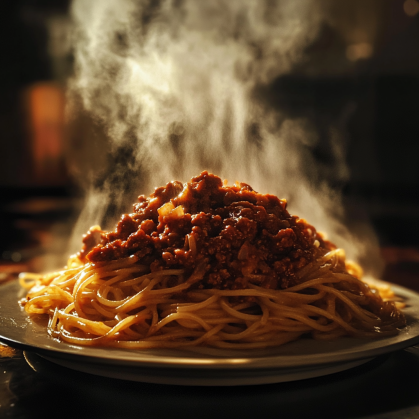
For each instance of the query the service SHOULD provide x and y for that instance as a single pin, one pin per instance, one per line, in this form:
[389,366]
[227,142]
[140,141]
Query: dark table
[386,387]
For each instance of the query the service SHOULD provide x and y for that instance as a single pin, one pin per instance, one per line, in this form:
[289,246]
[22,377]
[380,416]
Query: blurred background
[361,73]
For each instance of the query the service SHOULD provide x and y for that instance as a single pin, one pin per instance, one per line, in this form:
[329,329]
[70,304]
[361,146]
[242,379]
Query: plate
[305,358]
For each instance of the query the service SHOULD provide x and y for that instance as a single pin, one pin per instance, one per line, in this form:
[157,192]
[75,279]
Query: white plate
[304,358]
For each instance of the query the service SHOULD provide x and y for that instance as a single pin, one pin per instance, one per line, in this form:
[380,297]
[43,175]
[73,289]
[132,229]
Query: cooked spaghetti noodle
[208,264]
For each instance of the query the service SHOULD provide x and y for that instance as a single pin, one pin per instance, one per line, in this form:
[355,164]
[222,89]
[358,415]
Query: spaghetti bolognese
[204,263]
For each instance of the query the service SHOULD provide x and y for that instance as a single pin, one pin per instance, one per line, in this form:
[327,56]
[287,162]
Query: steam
[173,84]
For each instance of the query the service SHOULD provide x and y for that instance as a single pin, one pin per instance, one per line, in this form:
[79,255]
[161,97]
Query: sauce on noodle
[208,264]
[231,233]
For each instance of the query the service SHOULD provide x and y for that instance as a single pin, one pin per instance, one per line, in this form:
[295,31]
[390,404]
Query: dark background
[361,74]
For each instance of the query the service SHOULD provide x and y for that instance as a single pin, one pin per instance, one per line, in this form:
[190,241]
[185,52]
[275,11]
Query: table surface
[386,387]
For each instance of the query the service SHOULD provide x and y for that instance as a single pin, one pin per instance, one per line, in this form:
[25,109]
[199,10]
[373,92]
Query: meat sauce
[223,236]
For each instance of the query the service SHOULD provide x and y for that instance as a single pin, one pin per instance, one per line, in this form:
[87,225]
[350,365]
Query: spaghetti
[208,264]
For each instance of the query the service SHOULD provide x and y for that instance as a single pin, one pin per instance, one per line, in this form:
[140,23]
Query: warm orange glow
[358,51]
[411,7]
[46,119]
[6,351]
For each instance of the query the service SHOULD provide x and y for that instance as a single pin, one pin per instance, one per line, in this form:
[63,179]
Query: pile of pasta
[121,303]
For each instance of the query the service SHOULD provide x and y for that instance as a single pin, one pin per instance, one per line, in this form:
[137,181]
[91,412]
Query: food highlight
[204,263]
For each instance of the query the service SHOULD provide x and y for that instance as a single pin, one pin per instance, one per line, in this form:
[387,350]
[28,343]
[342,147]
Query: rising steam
[173,82]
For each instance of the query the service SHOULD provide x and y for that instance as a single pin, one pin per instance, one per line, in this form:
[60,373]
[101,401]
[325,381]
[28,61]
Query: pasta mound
[204,263]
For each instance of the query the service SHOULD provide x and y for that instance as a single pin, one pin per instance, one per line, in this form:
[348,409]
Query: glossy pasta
[127,303]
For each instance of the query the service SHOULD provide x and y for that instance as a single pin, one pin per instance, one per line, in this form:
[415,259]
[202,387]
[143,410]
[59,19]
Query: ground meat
[90,240]
[226,236]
